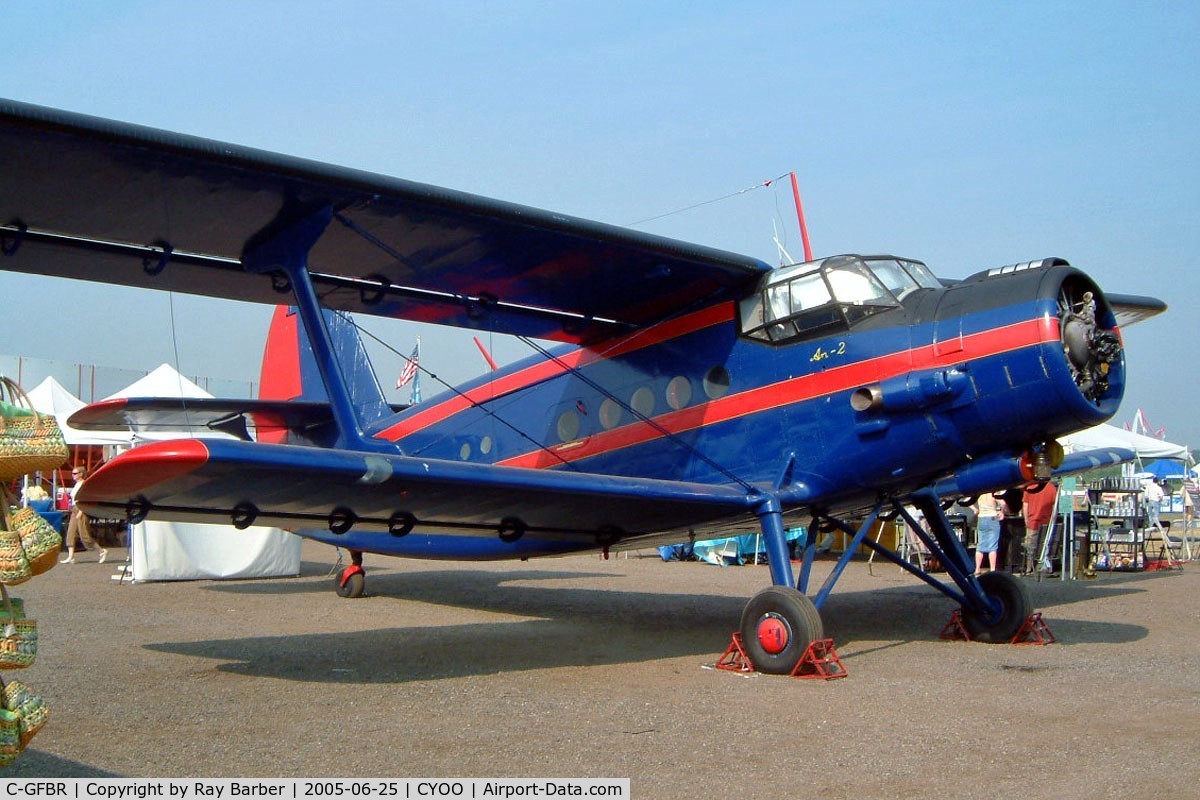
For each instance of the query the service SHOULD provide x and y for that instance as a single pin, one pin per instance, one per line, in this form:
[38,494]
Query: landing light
[1039,462]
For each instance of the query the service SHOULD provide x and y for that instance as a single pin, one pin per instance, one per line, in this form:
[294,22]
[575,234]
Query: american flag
[410,369]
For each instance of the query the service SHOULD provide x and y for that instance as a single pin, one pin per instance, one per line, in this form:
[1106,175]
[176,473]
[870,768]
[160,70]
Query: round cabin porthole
[610,413]
[643,401]
[679,392]
[568,426]
[716,382]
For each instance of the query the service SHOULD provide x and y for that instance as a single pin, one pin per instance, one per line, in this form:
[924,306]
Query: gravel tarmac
[582,667]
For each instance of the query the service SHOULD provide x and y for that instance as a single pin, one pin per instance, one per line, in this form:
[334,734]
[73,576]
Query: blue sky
[967,135]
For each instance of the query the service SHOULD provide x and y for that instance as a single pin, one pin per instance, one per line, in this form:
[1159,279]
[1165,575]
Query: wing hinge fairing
[369,294]
[154,256]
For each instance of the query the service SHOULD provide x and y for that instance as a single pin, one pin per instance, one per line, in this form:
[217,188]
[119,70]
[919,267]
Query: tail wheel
[778,624]
[1013,607]
[351,582]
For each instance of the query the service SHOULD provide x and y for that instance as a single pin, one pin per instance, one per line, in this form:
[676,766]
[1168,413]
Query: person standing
[1012,527]
[987,532]
[78,527]
[1153,496]
[1040,507]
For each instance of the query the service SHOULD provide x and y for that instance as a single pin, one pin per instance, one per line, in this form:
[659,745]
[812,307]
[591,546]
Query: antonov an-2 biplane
[692,393]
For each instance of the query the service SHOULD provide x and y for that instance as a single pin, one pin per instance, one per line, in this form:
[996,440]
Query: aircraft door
[947,332]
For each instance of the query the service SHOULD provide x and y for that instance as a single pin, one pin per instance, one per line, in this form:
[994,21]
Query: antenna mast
[800,215]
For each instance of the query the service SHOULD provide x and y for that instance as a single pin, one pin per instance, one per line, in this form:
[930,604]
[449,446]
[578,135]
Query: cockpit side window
[921,274]
[852,282]
[894,277]
[805,300]
[902,277]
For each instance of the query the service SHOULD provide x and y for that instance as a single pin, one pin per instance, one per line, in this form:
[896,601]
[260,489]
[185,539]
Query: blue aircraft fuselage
[890,402]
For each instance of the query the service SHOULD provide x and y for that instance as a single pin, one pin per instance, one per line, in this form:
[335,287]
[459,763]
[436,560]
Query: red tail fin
[280,375]
[289,371]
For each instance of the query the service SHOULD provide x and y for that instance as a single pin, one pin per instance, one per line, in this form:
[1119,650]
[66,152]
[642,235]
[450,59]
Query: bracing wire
[546,354]
[456,391]
[761,185]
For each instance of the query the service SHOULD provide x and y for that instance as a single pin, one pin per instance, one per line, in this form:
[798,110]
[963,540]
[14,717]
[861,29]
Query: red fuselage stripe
[986,343]
[546,370]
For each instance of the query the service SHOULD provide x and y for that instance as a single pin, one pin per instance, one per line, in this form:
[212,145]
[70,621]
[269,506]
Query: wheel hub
[773,634]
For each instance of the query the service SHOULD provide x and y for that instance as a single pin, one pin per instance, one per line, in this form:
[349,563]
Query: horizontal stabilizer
[163,415]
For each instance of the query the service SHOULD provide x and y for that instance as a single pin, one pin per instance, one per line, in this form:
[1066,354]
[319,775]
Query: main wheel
[1015,606]
[351,585]
[778,624]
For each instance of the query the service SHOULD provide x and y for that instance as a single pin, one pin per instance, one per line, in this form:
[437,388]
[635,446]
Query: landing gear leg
[780,622]
[994,605]
[352,581]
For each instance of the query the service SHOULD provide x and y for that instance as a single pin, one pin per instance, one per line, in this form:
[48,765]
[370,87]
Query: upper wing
[83,197]
[1130,308]
[291,486]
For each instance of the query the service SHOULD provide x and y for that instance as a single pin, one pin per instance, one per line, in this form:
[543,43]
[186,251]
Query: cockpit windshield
[804,300]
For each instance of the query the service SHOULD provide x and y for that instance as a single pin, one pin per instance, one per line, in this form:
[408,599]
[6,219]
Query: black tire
[787,613]
[1015,608]
[352,587]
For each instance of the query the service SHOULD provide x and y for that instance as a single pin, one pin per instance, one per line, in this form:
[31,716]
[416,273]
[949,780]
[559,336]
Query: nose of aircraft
[1093,350]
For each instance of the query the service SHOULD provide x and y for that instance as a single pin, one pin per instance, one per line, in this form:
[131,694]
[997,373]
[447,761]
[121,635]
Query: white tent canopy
[51,397]
[163,381]
[1102,436]
[172,551]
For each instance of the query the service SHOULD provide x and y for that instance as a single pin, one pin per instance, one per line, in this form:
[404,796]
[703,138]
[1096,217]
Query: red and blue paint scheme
[693,393]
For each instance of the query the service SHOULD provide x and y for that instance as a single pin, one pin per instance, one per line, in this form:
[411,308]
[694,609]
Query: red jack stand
[735,659]
[820,660]
[1034,631]
[954,629]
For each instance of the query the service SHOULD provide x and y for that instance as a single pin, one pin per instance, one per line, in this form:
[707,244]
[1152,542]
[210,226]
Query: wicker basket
[41,542]
[29,707]
[14,563]
[18,644]
[28,443]
[10,737]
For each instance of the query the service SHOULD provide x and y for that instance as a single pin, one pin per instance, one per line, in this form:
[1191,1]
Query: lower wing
[220,480]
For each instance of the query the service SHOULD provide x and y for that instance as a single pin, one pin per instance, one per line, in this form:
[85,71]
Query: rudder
[289,369]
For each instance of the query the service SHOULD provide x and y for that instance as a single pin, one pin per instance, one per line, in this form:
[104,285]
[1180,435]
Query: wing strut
[287,250]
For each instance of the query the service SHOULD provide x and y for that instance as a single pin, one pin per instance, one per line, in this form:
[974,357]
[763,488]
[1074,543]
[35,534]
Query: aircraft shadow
[385,584]
[916,613]
[572,627]
[563,627]
[34,763]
